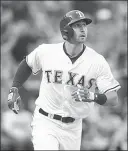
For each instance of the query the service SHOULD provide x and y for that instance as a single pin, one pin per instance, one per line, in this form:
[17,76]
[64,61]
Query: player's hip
[39,118]
[67,138]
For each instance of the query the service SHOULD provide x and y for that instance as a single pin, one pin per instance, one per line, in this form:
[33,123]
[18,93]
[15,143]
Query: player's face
[80,31]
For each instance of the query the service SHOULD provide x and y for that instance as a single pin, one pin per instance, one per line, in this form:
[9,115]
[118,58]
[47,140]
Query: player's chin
[82,39]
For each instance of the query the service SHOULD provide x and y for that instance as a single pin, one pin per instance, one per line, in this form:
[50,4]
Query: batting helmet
[70,18]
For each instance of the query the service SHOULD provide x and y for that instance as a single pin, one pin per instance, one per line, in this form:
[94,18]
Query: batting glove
[14,100]
[82,94]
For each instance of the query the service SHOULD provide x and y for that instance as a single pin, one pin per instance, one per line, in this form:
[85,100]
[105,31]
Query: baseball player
[74,77]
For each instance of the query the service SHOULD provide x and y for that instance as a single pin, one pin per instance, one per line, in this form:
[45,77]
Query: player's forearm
[22,74]
[107,99]
[112,98]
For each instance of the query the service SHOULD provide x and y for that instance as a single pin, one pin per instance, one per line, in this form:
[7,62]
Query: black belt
[57,117]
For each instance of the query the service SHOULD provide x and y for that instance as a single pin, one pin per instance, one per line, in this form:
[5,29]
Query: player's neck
[72,49]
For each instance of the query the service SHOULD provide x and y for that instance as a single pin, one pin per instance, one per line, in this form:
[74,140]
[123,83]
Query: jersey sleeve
[105,80]
[33,60]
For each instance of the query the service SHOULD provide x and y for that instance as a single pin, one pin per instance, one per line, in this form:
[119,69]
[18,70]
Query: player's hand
[82,94]
[14,100]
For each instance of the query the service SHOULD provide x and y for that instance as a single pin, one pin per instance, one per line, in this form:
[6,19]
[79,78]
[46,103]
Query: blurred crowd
[25,25]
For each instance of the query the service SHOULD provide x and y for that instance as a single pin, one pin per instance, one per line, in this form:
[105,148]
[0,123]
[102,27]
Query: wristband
[16,84]
[100,98]
[13,89]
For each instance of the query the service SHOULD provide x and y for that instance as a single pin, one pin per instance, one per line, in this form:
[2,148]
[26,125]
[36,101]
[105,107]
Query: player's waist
[57,117]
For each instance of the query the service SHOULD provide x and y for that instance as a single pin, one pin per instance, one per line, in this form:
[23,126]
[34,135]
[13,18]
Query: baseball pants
[51,134]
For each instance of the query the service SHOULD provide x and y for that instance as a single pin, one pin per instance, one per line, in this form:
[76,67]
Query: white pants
[51,134]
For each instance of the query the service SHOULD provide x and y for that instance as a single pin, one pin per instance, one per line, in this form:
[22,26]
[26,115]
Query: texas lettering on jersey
[58,76]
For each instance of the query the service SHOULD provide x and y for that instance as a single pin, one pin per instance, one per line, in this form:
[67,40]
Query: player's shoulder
[94,54]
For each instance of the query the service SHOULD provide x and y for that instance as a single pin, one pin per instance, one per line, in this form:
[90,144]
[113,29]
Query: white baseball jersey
[60,77]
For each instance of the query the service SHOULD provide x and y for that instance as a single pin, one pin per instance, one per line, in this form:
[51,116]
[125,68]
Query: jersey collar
[73,59]
[64,48]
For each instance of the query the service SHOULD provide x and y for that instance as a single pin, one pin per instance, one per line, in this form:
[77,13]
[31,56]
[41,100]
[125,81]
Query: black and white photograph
[64,75]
